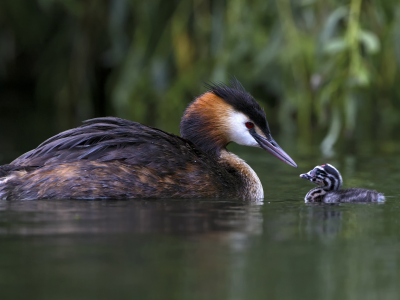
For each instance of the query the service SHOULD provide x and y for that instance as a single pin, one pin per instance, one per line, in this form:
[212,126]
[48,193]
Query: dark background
[326,72]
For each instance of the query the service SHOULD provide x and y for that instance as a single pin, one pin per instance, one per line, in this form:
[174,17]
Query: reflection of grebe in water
[329,182]
[115,158]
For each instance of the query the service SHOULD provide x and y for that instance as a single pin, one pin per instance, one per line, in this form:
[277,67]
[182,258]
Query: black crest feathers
[235,95]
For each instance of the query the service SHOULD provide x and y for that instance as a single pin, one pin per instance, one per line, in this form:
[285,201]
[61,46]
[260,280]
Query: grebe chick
[119,159]
[329,182]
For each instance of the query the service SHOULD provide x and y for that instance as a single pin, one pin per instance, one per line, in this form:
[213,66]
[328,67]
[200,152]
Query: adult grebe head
[227,114]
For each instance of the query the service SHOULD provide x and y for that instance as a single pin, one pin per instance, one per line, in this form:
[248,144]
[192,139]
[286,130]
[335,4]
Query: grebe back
[115,158]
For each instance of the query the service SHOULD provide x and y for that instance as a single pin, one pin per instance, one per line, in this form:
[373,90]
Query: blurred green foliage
[315,65]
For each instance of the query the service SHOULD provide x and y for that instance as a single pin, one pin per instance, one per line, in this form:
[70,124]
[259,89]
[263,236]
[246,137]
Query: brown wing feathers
[114,158]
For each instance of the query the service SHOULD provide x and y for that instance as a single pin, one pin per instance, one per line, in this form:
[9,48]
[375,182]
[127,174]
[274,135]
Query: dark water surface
[280,248]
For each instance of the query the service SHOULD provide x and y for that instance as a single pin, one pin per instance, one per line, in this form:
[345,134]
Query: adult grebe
[115,158]
[329,180]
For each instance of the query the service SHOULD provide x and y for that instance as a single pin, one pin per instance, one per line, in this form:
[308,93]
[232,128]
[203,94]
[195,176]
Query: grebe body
[329,182]
[115,158]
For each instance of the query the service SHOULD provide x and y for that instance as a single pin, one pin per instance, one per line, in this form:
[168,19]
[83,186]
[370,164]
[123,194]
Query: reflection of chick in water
[322,221]
[329,182]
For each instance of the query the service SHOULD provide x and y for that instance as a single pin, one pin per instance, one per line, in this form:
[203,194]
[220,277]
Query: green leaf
[332,22]
[370,41]
[335,45]
[333,134]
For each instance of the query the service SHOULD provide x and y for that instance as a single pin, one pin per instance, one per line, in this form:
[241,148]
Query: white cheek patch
[238,132]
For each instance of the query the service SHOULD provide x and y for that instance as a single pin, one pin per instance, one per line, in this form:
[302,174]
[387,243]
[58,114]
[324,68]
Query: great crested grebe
[329,182]
[115,158]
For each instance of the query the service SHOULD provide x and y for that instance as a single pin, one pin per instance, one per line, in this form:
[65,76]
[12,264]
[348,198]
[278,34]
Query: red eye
[249,125]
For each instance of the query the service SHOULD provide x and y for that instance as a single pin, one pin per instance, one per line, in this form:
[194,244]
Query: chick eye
[249,125]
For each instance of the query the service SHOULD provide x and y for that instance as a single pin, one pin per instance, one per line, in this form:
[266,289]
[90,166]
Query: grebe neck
[204,123]
[252,187]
